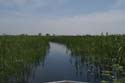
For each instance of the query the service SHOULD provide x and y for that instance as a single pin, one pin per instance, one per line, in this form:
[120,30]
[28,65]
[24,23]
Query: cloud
[111,21]
[119,4]
[36,7]
[27,20]
[38,3]
[14,2]
[95,23]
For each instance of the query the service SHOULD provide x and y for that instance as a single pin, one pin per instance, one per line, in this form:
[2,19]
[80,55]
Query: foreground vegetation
[18,54]
[105,55]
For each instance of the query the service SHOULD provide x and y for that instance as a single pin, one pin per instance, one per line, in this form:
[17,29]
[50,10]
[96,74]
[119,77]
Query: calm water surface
[59,65]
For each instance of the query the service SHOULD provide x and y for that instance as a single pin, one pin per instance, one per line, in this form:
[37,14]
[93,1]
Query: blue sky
[68,17]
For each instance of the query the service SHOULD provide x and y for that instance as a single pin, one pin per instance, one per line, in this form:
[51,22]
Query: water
[59,65]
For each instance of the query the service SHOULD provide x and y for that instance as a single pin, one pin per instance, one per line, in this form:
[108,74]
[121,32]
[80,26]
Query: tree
[47,34]
[39,34]
[107,34]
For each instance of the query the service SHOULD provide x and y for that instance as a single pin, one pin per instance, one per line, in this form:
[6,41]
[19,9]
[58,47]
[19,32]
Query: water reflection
[98,69]
[83,68]
[58,63]
[17,66]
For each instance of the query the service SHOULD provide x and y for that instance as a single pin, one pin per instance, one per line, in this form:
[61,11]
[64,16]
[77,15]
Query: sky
[62,17]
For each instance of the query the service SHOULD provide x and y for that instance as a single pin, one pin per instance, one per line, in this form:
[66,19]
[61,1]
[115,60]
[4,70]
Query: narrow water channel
[59,65]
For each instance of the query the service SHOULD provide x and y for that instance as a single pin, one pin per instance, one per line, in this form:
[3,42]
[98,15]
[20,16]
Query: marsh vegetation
[18,54]
[104,56]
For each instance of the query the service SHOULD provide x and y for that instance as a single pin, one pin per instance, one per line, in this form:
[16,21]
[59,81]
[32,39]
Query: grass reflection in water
[104,55]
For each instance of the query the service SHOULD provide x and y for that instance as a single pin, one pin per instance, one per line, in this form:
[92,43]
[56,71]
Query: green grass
[105,52]
[18,54]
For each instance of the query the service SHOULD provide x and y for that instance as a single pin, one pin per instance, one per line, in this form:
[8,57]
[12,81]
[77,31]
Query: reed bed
[104,54]
[18,54]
